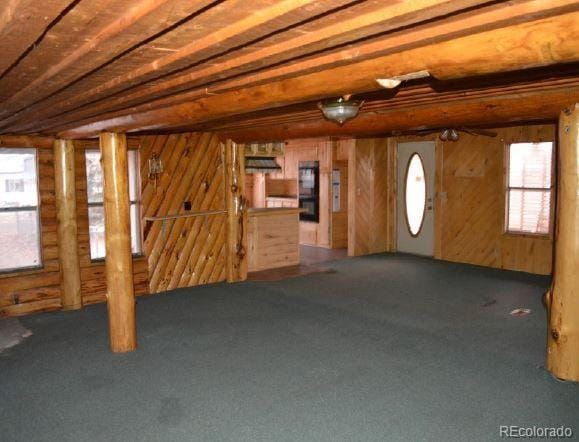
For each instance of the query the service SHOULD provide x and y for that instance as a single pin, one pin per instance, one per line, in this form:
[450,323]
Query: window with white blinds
[529,188]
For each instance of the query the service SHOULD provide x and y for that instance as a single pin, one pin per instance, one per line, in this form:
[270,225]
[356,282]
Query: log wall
[92,273]
[25,292]
[37,290]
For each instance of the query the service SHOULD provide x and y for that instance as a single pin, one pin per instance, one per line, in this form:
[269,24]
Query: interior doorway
[415,200]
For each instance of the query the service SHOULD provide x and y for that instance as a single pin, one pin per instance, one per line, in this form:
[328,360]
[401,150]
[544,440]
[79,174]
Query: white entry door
[415,207]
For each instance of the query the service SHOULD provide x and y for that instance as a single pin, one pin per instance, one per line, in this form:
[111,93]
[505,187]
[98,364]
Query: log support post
[118,260]
[234,168]
[67,228]
[563,299]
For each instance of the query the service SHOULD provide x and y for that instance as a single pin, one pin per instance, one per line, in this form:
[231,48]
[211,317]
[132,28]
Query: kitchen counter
[273,238]
[273,211]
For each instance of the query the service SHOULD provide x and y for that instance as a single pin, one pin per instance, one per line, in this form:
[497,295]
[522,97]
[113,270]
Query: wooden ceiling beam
[22,23]
[531,44]
[485,20]
[116,38]
[408,96]
[498,110]
[246,26]
[26,141]
[380,20]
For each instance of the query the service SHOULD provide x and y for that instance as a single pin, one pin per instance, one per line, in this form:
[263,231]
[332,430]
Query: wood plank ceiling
[74,68]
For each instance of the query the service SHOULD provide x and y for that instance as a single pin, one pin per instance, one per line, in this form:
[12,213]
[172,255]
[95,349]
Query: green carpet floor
[386,348]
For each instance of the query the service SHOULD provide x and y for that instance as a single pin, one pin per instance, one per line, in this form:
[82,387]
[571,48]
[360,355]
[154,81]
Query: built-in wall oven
[309,185]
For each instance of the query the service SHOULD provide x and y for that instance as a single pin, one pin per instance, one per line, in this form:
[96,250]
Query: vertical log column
[65,193]
[563,339]
[236,212]
[118,260]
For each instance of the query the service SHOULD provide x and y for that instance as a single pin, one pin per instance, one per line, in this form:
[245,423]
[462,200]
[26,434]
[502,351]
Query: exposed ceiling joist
[138,22]
[22,23]
[380,20]
[83,66]
[525,45]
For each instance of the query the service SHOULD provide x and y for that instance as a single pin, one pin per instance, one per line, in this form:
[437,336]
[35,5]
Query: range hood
[261,165]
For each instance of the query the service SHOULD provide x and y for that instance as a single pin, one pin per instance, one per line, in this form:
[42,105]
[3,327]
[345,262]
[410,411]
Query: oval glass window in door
[415,194]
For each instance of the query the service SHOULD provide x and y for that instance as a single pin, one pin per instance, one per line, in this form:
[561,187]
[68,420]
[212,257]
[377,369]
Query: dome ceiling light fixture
[341,109]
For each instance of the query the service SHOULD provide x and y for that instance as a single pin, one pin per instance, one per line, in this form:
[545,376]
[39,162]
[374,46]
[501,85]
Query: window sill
[24,271]
[136,257]
[540,236]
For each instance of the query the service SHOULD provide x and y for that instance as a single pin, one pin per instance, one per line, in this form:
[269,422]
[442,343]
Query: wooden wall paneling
[438,198]
[185,251]
[339,220]
[190,230]
[352,193]
[176,181]
[214,250]
[470,203]
[392,184]
[473,185]
[368,202]
[379,232]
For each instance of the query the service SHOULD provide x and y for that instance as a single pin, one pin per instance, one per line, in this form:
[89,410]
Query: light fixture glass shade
[340,110]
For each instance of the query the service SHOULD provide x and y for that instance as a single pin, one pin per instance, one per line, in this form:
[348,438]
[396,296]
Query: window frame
[508,188]
[36,208]
[423,217]
[136,202]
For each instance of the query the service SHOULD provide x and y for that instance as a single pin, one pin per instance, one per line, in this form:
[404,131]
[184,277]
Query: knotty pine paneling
[184,252]
[368,196]
[472,201]
[340,219]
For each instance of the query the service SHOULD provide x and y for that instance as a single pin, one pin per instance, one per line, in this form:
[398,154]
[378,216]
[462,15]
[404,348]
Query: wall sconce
[155,168]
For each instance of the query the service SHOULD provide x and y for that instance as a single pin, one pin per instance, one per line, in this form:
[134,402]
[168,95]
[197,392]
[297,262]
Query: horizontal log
[45,305]
[376,20]
[500,110]
[26,141]
[522,46]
